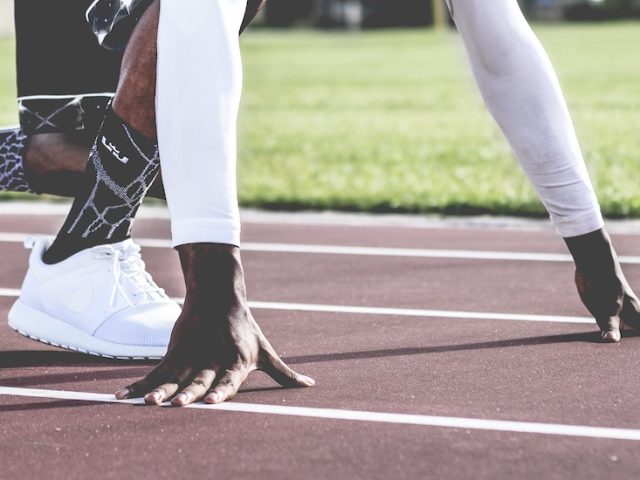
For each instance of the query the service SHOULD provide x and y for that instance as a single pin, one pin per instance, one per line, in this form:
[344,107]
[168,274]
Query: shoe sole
[39,326]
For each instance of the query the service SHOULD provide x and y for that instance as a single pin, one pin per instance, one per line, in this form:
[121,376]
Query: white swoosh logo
[78,300]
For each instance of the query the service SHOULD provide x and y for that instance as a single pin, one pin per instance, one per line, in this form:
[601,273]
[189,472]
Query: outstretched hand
[216,343]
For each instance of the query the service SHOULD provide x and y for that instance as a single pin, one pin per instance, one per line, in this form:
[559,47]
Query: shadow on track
[587,337]
[74,377]
[129,369]
[111,369]
[60,358]
[46,405]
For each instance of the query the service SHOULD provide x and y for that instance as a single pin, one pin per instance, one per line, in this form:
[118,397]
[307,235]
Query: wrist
[214,277]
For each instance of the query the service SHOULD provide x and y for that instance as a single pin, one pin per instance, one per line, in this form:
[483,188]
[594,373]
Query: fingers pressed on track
[162,393]
[197,389]
[610,328]
[227,387]
[169,388]
[142,387]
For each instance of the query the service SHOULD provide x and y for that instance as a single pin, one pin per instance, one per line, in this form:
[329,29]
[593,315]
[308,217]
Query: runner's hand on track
[216,343]
[602,286]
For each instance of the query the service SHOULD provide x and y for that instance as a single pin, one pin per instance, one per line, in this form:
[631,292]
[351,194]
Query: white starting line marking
[398,312]
[358,416]
[367,251]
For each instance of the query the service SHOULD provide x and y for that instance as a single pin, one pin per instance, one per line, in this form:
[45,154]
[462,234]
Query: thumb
[273,366]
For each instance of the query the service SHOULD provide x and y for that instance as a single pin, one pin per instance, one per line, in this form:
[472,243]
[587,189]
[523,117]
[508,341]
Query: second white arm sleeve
[522,92]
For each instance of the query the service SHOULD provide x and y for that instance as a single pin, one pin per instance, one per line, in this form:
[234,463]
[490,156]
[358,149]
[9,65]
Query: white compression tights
[522,92]
[199,82]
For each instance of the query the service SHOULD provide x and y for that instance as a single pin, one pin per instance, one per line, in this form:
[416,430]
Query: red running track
[434,369]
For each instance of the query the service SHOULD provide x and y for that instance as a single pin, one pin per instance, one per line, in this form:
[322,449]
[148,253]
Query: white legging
[200,81]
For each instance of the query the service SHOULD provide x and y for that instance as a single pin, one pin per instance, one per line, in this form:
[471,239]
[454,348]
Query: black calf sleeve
[122,165]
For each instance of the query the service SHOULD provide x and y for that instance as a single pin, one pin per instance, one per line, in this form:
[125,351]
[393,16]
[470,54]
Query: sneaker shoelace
[127,264]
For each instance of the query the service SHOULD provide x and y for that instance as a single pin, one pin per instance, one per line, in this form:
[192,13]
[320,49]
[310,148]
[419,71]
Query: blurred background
[368,105]
[415,13]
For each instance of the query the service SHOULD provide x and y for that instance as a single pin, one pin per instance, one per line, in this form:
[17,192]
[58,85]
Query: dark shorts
[68,59]
[65,79]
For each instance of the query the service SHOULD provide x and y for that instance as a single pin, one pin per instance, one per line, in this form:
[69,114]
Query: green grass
[8,111]
[391,121]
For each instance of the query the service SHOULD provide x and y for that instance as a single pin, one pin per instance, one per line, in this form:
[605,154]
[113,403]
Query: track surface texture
[442,373]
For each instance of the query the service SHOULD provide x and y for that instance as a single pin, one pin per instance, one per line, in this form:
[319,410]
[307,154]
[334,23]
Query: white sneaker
[100,301]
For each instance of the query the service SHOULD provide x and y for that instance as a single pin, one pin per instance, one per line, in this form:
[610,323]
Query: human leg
[60,117]
[123,162]
[48,163]
[99,300]
[143,310]
[65,81]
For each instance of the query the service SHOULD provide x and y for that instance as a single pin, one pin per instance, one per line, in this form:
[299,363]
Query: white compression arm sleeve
[522,92]
[199,83]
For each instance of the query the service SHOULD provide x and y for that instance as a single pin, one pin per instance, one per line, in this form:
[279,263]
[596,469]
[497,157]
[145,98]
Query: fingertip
[122,394]
[213,398]
[181,400]
[152,398]
[611,336]
[306,381]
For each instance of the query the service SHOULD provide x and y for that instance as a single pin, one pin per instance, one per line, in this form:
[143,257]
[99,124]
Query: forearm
[198,94]
[522,92]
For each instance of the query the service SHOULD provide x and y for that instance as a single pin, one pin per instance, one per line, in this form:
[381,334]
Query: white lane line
[406,252]
[398,312]
[359,416]
[367,251]
[9,292]
[13,237]
[413,312]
